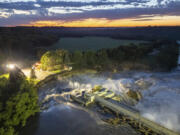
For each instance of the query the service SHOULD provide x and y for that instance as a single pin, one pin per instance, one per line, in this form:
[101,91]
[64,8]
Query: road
[39,73]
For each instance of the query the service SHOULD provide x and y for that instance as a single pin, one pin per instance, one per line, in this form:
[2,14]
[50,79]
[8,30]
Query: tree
[17,106]
[89,59]
[53,60]
[77,59]
[102,59]
[46,60]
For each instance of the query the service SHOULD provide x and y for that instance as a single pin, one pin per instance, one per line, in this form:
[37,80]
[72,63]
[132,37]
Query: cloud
[16,12]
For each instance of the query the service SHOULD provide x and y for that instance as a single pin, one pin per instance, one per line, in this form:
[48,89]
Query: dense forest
[156,56]
[19,43]
[129,33]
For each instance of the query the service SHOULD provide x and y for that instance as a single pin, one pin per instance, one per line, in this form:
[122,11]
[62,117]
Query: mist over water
[161,102]
[161,92]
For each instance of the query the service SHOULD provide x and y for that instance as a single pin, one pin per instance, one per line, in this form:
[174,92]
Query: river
[160,103]
[67,120]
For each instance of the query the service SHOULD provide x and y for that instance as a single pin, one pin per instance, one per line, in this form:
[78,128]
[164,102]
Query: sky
[90,13]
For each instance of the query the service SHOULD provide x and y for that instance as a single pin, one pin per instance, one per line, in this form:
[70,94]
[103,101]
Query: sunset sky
[90,13]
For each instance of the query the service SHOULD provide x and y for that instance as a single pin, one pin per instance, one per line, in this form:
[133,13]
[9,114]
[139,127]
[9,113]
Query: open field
[91,43]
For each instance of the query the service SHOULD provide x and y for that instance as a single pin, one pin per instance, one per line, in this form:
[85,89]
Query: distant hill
[135,33]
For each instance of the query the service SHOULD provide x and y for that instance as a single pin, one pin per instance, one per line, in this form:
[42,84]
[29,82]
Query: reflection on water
[66,120]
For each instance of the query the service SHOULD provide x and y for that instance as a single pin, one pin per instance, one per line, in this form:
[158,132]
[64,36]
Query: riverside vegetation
[18,102]
[152,56]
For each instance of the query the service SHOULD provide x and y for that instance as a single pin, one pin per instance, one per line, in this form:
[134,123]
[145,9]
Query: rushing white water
[161,92]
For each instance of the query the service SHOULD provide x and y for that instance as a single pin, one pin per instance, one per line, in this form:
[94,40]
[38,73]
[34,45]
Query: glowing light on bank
[10,66]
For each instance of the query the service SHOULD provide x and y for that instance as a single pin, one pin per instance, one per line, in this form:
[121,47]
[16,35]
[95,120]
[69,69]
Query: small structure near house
[67,68]
[32,73]
[36,66]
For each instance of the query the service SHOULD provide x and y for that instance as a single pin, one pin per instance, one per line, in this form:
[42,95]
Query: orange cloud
[153,21]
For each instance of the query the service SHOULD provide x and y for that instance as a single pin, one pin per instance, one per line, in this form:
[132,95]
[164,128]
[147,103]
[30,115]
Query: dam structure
[121,105]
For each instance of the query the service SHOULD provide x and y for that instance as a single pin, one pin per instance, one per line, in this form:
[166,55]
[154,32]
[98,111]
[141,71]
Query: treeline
[158,55]
[29,43]
[18,42]
[136,33]
[18,102]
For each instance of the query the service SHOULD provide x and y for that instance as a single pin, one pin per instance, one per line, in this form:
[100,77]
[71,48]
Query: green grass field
[91,43]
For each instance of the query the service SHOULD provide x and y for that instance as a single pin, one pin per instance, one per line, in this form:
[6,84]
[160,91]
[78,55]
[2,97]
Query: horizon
[28,26]
[91,13]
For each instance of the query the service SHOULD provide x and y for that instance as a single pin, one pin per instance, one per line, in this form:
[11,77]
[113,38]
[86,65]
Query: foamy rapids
[161,92]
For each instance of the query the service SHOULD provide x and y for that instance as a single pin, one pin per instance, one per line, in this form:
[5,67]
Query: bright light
[10,66]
